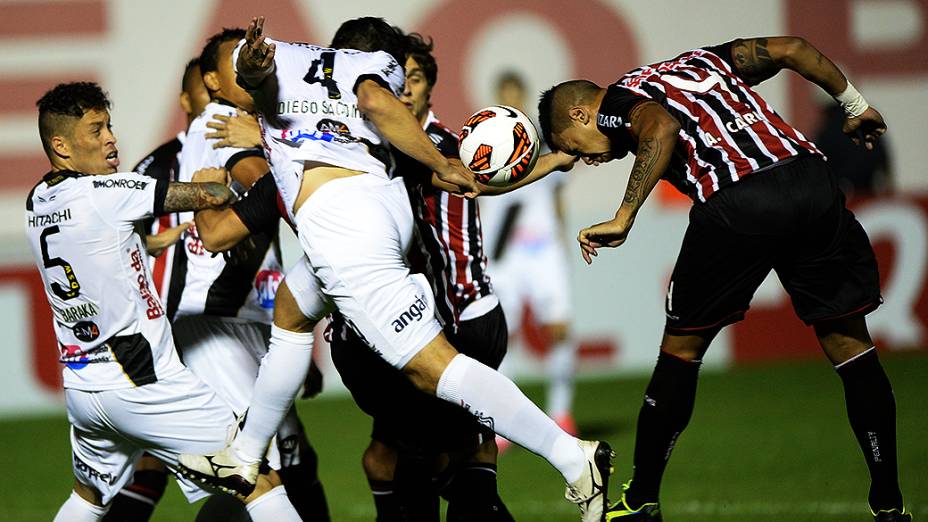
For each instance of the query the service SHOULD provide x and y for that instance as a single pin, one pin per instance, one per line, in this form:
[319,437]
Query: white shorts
[111,429]
[355,232]
[537,275]
[225,353]
[307,291]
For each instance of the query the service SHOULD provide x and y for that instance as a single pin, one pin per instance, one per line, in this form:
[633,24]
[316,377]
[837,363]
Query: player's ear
[61,146]
[211,80]
[579,115]
[185,104]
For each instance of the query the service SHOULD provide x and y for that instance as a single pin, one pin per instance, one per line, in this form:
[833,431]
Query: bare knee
[842,339]
[426,367]
[688,347]
[88,493]
[379,461]
[287,313]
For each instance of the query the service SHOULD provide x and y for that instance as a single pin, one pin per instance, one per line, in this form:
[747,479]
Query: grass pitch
[765,444]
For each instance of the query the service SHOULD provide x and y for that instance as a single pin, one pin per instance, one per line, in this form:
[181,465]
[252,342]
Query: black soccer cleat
[622,512]
[892,515]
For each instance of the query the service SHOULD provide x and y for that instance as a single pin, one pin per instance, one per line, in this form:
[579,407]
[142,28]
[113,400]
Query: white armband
[852,101]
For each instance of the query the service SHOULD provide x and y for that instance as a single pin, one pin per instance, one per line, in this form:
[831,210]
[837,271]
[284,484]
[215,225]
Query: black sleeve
[240,155]
[258,208]
[723,51]
[161,193]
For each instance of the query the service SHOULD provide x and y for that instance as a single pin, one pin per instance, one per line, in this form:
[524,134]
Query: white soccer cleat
[589,491]
[223,471]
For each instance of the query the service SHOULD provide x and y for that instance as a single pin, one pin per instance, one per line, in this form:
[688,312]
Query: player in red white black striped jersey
[765,200]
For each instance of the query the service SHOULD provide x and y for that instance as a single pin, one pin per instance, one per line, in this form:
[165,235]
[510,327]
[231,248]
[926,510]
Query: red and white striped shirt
[727,130]
[450,246]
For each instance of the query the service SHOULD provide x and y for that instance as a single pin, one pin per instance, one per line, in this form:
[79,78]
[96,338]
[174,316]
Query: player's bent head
[371,34]
[74,125]
[216,67]
[568,119]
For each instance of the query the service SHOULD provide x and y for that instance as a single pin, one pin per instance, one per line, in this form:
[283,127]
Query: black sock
[136,501]
[388,510]
[668,405]
[871,408]
[304,489]
[472,495]
[416,493]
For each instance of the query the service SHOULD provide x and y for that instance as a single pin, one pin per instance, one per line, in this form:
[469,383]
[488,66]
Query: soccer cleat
[622,512]
[892,515]
[589,491]
[222,471]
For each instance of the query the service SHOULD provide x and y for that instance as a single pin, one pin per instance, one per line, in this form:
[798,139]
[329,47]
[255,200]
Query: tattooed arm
[758,59]
[656,131]
[196,196]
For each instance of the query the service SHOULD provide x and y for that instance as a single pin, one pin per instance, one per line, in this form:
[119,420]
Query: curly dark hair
[371,34]
[65,103]
[420,50]
[209,56]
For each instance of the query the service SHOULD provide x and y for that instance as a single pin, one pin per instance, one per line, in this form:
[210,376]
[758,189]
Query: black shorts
[791,219]
[405,417]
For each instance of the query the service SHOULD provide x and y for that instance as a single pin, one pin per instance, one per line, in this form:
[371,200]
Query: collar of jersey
[57,176]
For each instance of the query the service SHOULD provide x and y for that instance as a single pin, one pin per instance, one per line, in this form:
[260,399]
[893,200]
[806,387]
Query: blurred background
[137,51]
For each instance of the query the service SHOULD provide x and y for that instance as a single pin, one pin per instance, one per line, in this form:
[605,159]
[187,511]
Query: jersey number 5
[74,288]
[327,61]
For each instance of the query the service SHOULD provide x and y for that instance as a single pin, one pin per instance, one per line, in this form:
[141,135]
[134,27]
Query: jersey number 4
[327,61]
[74,288]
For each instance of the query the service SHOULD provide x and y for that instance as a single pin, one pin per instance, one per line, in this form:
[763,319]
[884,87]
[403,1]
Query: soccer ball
[499,145]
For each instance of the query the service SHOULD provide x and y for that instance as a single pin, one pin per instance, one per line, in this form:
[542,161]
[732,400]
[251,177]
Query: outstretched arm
[402,130]
[758,59]
[196,196]
[656,131]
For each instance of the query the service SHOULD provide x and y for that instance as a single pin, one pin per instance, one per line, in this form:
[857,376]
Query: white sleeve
[382,68]
[126,196]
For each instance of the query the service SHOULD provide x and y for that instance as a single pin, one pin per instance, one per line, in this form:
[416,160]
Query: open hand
[241,131]
[609,234]
[866,128]
[211,174]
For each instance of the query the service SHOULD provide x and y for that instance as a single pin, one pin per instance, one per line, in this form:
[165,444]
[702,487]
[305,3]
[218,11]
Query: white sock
[495,399]
[76,509]
[273,506]
[280,376]
[562,362]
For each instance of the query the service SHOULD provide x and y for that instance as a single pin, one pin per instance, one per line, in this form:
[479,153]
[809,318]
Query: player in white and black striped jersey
[125,388]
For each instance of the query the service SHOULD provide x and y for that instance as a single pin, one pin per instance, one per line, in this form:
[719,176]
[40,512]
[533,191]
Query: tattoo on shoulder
[753,60]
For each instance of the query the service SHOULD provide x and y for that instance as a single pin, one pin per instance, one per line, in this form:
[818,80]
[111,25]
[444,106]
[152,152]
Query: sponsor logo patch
[131,184]
[86,331]
[413,313]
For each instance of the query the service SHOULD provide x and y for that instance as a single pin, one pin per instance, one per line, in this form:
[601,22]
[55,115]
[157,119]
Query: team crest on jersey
[86,331]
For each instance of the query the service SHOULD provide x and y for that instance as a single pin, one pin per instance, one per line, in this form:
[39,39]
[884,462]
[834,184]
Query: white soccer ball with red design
[499,145]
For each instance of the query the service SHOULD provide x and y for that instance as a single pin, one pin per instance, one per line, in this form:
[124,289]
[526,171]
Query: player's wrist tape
[852,101]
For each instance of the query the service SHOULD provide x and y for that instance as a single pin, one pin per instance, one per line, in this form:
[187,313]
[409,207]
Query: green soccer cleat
[622,512]
[892,515]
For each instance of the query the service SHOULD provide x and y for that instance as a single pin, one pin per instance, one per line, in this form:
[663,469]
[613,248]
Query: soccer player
[529,259]
[136,502]
[223,307]
[449,250]
[327,115]
[764,199]
[125,389]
